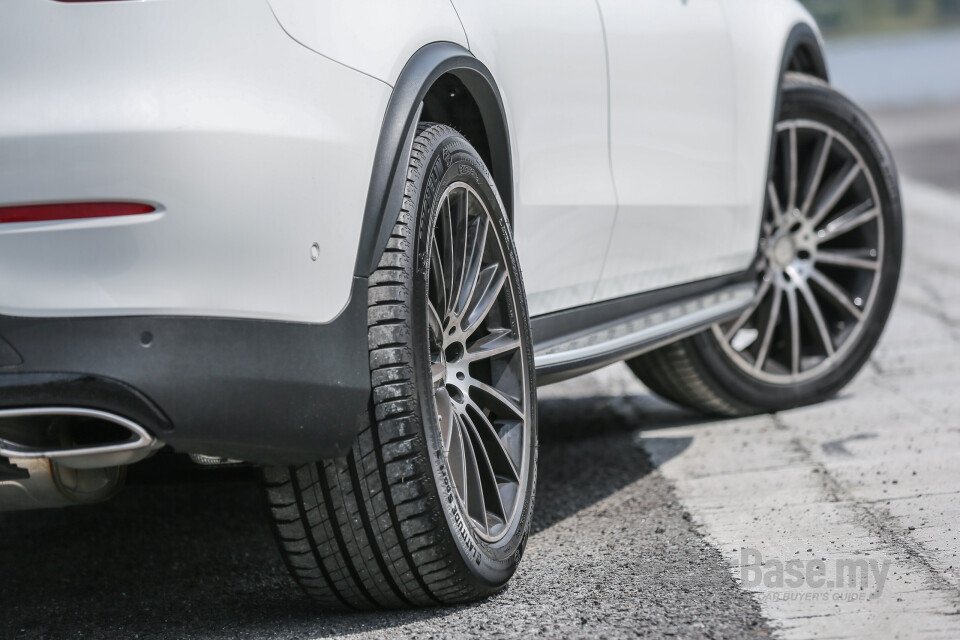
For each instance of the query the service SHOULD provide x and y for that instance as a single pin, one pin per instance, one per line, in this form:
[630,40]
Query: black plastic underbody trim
[8,355]
[552,327]
[25,389]
[385,194]
[263,391]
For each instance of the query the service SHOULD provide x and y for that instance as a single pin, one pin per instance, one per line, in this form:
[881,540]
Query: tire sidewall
[452,159]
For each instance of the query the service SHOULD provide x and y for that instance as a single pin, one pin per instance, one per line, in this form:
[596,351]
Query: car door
[673,145]
[548,59]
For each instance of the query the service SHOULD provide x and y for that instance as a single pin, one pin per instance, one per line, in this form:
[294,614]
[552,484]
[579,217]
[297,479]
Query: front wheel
[433,503]
[827,270]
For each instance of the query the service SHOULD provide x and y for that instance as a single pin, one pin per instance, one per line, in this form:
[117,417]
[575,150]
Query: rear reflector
[71,211]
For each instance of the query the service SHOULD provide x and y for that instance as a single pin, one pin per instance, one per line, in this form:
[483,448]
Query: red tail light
[71,211]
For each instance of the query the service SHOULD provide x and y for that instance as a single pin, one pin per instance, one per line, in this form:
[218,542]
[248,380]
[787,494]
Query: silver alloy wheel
[480,376]
[820,259]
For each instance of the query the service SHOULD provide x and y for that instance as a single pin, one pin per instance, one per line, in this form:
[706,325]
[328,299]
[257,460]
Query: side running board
[584,351]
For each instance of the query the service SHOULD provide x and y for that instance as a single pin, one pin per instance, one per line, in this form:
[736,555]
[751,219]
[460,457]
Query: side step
[578,353]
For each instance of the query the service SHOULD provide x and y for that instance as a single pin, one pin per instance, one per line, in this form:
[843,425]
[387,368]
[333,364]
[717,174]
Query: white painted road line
[867,484]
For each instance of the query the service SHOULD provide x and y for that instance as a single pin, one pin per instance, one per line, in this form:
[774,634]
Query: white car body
[630,141]
[638,132]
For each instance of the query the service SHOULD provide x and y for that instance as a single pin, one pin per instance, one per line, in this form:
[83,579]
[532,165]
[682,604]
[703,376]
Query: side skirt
[573,342]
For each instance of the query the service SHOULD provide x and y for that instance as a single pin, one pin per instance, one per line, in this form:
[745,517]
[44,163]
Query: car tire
[424,510]
[837,232]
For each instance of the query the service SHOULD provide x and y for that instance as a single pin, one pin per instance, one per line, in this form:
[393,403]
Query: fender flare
[803,41]
[385,194]
[803,38]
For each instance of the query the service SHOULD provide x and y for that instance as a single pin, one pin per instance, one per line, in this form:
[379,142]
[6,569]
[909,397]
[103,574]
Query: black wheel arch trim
[803,53]
[385,193]
[801,41]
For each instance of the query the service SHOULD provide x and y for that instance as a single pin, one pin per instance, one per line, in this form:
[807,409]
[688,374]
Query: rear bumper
[212,322]
[262,391]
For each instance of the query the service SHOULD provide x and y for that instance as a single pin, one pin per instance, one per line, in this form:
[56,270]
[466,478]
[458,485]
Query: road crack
[878,521]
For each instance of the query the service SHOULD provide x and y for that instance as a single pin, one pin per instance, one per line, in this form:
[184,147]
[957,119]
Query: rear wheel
[827,270]
[433,503]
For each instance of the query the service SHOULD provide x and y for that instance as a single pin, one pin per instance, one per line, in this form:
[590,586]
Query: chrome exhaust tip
[74,437]
[62,456]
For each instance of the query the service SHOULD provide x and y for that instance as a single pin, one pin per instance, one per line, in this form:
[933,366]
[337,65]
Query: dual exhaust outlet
[61,456]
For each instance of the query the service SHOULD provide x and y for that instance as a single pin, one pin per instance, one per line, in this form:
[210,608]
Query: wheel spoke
[792,188]
[438,371]
[497,401]
[490,285]
[460,252]
[457,456]
[854,260]
[774,203]
[836,192]
[449,249]
[434,324]
[836,293]
[474,498]
[772,321]
[818,321]
[766,229]
[817,176]
[471,279]
[793,314]
[749,311]
[488,477]
[847,222]
[502,460]
[438,280]
[445,417]
[496,343]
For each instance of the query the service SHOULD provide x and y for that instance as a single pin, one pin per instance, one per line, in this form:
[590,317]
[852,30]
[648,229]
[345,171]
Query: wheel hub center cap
[784,252]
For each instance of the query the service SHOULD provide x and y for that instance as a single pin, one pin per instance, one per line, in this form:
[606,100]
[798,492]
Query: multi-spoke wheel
[827,269]
[820,255]
[433,503]
[479,379]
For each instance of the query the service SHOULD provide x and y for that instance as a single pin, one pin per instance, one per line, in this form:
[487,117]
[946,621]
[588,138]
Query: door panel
[673,146]
[549,61]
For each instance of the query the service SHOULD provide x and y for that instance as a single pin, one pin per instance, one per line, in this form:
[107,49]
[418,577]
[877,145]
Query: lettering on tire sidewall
[448,494]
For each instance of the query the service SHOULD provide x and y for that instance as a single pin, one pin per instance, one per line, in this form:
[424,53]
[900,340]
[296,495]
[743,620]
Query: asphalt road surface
[650,521]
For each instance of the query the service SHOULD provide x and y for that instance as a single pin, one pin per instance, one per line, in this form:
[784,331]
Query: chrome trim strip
[648,327]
